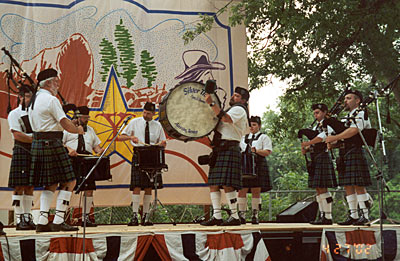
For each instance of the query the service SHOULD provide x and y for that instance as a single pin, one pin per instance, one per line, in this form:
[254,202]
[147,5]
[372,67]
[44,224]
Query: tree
[108,58]
[126,52]
[148,68]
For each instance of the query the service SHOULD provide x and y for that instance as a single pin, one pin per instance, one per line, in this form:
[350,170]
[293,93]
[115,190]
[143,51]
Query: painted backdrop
[113,56]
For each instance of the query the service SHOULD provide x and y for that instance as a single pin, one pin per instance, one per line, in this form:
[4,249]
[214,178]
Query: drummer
[83,144]
[143,131]
[261,145]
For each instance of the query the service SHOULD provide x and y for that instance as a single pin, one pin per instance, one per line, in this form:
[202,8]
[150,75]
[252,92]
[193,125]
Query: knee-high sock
[216,204]
[326,202]
[352,201]
[62,205]
[321,210]
[362,198]
[242,204]
[27,206]
[45,201]
[89,204]
[135,203]
[146,203]
[231,197]
[256,206]
[17,202]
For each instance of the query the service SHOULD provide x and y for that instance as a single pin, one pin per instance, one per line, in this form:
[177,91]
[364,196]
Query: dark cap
[244,92]
[355,92]
[24,88]
[46,74]
[255,119]
[82,110]
[149,106]
[321,106]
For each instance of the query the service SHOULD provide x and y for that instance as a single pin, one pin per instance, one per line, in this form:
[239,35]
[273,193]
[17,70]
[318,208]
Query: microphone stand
[79,188]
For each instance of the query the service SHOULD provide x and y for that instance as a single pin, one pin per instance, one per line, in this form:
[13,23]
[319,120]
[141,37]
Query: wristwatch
[212,104]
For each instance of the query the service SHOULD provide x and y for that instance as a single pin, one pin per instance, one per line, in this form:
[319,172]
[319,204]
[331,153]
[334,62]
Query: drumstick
[83,155]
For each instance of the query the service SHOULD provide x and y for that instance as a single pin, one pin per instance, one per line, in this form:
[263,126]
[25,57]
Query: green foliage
[148,68]
[126,52]
[108,58]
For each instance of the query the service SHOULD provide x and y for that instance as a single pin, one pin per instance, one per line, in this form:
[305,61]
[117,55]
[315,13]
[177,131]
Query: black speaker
[299,212]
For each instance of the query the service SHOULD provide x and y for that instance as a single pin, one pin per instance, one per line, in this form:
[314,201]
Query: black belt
[228,143]
[50,135]
[23,144]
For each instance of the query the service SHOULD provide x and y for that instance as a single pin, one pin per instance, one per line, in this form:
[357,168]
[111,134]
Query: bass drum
[185,115]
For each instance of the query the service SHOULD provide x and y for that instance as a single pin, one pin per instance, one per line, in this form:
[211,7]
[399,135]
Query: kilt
[50,163]
[80,175]
[227,170]
[262,179]
[139,178]
[356,171]
[20,165]
[324,173]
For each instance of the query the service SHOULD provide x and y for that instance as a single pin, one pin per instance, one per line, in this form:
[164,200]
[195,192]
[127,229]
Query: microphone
[127,119]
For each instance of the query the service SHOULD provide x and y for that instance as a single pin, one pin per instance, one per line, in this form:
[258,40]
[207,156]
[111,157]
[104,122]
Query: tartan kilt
[324,172]
[77,167]
[20,165]
[356,172]
[50,163]
[262,179]
[227,170]
[139,178]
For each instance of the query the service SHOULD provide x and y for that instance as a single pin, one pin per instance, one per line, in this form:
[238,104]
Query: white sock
[216,203]
[89,204]
[352,201]
[46,197]
[231,197]
[146,203]
[242,203]
[321,210]
[135,203]
[62,205]
[18,206]
[326,206]
[256,204]
[361,198]
[27,206]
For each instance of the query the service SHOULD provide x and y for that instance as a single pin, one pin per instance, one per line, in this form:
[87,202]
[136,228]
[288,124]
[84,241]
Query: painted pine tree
[108,58]
[148,68]
[126,50]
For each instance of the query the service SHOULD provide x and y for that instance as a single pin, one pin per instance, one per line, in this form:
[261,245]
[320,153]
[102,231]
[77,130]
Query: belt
[50,135]
[23,144]
[228,143]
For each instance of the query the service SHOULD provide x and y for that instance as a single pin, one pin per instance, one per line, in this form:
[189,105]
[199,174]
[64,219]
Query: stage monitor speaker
[299,212]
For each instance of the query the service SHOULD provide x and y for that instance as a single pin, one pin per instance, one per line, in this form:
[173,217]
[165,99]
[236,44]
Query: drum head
[184,113]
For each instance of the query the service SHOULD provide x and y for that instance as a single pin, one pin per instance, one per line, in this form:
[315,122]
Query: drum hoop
[164,100]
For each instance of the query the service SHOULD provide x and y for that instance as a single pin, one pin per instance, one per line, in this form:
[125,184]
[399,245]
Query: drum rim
[164,100]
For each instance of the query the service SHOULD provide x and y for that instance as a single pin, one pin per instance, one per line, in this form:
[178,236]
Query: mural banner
[113,56]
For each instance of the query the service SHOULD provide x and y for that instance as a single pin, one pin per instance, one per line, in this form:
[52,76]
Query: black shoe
[30,222]
[242,217]
[23,225]
[43,228]
[212,222]
[144,222]
[254,220]
[62,227]
[322,221]
[362,221]
[89,223]
[348,221]
[231,221]
[134,220]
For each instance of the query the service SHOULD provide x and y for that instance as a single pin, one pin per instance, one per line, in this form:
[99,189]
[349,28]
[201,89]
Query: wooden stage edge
[163,228]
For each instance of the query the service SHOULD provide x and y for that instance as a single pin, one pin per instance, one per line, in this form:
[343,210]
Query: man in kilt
[261,145]
[143,131]
[51,165]
[83,144]
[321,174]
[353,169]
[20,163]
[225,172]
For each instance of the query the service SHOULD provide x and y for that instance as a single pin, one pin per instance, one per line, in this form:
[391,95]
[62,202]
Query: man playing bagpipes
[352,163]
[320,168]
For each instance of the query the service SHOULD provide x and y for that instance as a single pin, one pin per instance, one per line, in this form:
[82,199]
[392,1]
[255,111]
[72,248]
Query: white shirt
[322,134]
[47,113]
[262,143]
[137,128]
[359,123]
[239,127]
[15,122]
[90,137]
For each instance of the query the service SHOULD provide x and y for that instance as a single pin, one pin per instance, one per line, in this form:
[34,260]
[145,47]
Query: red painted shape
[197,167]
